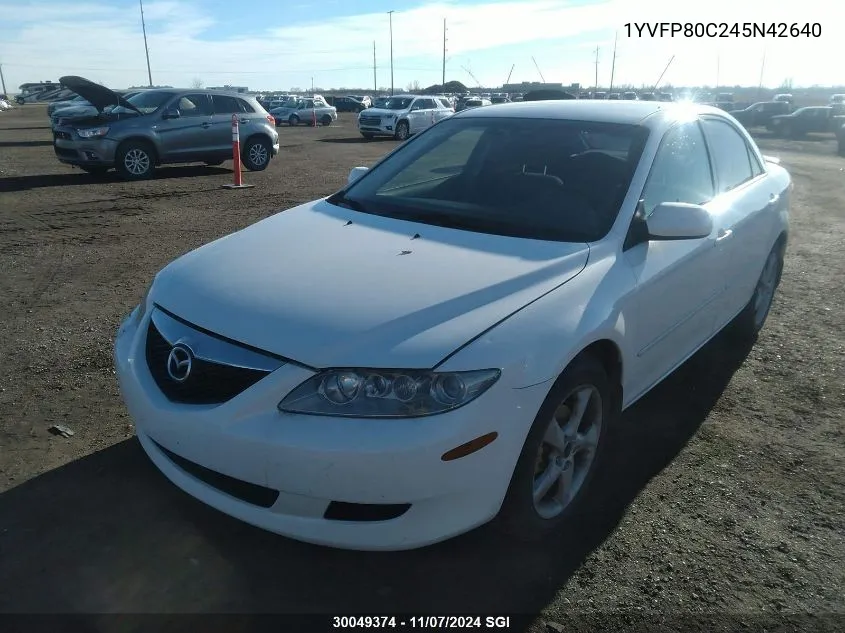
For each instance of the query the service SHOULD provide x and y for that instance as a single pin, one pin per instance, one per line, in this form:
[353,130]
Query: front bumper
[384,126]
[72,150]
[308,466]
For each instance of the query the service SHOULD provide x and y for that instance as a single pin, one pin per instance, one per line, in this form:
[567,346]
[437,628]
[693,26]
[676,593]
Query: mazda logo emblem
[179,362]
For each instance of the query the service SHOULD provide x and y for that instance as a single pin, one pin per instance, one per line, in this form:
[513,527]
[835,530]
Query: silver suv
[160,126]
[403,115]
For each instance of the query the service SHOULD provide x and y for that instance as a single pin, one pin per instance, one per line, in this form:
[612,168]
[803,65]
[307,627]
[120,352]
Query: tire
[746,326]
[256,154]
[326,121]
[521,517]
[293,120]
[367,135]
[403,131]
[135,160]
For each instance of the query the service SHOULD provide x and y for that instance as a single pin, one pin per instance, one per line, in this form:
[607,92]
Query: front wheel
[256,154]
[326,120]
[135,160]
[402,131]
[561,453]
[293,120]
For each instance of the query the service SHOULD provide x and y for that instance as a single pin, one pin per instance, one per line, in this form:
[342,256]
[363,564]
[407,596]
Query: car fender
[552,330]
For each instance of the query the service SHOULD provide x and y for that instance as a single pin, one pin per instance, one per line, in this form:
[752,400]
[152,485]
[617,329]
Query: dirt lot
[723,498]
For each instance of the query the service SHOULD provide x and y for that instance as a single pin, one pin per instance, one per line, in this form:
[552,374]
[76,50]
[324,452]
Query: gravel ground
[721,503]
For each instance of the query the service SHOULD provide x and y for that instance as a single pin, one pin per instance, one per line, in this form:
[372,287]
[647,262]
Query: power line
[146,48]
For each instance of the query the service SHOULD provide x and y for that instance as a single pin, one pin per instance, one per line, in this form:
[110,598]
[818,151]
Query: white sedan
[449,338]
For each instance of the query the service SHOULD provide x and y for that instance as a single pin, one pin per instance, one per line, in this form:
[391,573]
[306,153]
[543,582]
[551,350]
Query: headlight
[374,393]
[93,132]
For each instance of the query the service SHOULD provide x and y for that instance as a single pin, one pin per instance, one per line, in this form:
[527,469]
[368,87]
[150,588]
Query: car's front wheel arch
[521,515]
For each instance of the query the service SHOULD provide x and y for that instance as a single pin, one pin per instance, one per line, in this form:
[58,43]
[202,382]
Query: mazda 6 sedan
[450,338]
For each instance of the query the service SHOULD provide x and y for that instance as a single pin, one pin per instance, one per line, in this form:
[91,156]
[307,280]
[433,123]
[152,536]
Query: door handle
[243,121]
[206,125]
[724,234]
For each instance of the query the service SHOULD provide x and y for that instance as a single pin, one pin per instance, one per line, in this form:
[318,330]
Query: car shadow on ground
[79,177]
[25,143]
[109,533]
[351,140]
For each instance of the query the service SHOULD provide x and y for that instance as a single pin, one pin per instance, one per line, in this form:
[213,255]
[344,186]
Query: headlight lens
[377,393]
[93,132]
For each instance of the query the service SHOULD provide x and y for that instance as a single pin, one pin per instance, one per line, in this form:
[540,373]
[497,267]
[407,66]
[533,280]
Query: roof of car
[626,112]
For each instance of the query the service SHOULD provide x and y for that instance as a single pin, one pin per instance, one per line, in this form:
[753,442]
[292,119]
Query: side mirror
[679,221]
[171,113]
[356,173]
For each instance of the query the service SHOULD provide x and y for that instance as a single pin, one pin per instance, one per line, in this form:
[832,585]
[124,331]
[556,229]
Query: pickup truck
[307,110]
[760,113]
[810,119]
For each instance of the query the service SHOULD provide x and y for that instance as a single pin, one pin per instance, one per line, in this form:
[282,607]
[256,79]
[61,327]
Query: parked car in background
[760,114]
[159,126]
[402,116]
[784,96]
[349,104]
[379,102]
[630,95]
[499,99]
[365,99]
[306,111]
[86,109]
[837,99]
[647,96]
[65,103]
[614,96]
[565,258]
[477,103]
[599,95]
[810,119]
[665,97]
[725,97]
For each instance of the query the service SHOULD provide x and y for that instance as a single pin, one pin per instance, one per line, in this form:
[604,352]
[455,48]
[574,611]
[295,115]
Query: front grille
[243,490]
[57,134]
[370,120]
[208,382]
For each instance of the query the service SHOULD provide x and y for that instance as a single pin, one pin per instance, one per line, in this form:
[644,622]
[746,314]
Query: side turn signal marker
[470,447]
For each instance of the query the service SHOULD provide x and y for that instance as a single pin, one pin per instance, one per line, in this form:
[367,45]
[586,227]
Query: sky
[287,44]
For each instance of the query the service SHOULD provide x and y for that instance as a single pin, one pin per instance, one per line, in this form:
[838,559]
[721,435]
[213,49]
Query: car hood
[98,96]
[329,287]
[382,112]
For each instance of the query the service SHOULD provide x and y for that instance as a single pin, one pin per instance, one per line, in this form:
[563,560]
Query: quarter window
[681,170]
[731,154]
[224,104]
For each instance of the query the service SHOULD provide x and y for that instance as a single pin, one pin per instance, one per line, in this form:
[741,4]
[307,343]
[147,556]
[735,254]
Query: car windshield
[397,103]
[147,101]
[546,179]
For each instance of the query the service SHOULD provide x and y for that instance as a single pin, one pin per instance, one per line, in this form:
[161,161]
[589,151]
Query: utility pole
[146,48]
[312,86]
[613,65]
[390,13]
[443,83]
[597,70]
[657,83]
[762,69]
[718,60]
[2,79]
[375,82]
